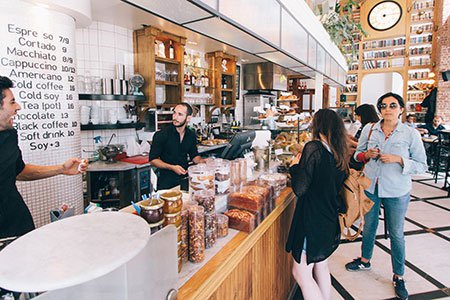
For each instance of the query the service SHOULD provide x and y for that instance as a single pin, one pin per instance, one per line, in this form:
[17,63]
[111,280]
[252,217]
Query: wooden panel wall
[265,271]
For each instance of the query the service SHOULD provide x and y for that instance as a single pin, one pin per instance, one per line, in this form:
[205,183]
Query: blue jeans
[395,211]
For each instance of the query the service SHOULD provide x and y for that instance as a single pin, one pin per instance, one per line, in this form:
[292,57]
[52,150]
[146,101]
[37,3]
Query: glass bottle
[171,50]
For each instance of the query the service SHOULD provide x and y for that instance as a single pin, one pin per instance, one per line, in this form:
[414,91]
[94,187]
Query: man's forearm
[198,160]
[160,164]
[33,172]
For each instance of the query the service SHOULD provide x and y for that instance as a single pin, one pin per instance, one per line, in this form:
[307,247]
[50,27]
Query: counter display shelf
[248,266]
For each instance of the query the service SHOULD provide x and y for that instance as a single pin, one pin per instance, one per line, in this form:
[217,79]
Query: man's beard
[180,125]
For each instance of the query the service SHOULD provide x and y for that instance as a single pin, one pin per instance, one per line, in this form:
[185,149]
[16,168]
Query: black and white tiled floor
[427,234]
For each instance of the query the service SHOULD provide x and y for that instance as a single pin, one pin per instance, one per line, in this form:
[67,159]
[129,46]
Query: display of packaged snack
[205,198]
[201,177]
[174,219]
[246,200]
[196,233]
[184,226]
[173,202]
[222,180]
[210,221]
[222,225]
[259,217]
[241,220]
[210,238]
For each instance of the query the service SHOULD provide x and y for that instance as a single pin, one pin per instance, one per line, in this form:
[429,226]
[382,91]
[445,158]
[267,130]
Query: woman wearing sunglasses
[392,152]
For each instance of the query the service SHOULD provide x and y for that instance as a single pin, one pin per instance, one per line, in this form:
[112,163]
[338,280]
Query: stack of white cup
[85,114]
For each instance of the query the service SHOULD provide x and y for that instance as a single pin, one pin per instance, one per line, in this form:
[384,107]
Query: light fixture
[192,43]
[431,75]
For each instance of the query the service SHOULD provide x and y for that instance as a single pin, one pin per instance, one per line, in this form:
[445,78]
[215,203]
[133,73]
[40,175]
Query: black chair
[441,154]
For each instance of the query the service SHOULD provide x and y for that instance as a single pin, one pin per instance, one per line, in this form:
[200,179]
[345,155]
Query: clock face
[384,15]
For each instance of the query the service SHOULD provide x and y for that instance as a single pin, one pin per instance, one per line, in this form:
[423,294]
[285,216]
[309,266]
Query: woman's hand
[372,153]
[391,158]
[296,159]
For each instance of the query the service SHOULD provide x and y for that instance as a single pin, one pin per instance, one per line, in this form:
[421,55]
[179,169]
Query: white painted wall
[375,85]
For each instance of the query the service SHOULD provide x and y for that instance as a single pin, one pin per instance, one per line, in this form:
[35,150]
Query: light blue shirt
[393,179]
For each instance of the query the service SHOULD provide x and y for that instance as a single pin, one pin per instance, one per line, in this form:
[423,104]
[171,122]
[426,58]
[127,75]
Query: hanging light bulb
[431,75]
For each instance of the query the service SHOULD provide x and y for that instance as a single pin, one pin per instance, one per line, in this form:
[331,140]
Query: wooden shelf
[384,58]
[160,82]
[227,90]
[228,74]
[383,48]
[166,60]
[112,126]
[111,97]
[378,70]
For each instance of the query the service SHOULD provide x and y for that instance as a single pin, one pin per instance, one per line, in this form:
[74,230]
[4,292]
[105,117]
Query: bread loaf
[241,220]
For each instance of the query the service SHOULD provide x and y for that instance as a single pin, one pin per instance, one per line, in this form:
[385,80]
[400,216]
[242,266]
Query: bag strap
[368,138]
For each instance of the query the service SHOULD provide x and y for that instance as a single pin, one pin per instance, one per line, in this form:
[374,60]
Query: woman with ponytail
[317,178]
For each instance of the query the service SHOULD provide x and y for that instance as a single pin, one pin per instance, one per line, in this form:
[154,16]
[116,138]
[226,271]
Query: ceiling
[126,15]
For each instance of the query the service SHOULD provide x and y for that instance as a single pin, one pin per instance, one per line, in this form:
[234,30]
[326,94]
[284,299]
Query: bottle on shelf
[171,50]
[206,80]
[202,78]
[224,83]
[193,78]
[187,78]
[224,99]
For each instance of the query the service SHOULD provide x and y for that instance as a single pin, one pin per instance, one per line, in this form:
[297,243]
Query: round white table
[72,251]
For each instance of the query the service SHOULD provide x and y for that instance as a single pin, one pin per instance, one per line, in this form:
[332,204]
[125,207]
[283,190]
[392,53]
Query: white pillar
[38,53]
[318,95]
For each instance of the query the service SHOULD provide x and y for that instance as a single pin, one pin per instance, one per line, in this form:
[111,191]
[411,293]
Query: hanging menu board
[39,57]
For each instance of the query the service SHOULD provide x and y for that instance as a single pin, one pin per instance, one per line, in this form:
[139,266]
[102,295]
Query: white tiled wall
[99,48]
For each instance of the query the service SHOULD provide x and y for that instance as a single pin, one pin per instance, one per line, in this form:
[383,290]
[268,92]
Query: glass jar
[152,210]
[210,221]
[155,227]
[276,180]
[222,225]
[222,180]
[174,219]
[210,238]
[235,173]
[201,177]
[242,170]
[180,264]
[206,199]
[179,234]
[173,202]
[196,234]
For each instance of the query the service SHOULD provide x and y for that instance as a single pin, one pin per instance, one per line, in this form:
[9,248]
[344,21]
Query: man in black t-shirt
[171,147]
[15,218]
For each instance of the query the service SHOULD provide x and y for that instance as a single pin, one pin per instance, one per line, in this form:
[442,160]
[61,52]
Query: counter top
[100,166]
[72,251]
[226,273]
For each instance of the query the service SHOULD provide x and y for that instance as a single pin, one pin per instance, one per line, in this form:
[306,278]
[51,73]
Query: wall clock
[384,15]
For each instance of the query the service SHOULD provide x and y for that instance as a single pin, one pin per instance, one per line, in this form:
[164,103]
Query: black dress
[316,181]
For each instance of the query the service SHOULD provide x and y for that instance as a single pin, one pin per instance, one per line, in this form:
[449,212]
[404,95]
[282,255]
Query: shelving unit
[407,49]
[224,81]
[157,70]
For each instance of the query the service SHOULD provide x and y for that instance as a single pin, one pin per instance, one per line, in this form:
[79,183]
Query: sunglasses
[391,106]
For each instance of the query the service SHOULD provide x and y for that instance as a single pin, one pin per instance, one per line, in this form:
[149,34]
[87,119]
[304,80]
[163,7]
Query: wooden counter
[250,266]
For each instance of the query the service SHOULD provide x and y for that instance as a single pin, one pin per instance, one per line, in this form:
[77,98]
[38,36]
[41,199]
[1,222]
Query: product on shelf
[241,220]
[201,177]
[210,221]
[222,225]
[173,202]
[206,199]
[210,238]
[196,234]
[245,200]
[222,179]
[276,180]
[152,210]
[155,227]
[174,219]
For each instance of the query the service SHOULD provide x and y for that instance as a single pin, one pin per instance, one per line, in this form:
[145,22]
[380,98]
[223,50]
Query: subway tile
[93,37]
[120,30]
[105,26]
[106,38]
[107,54]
